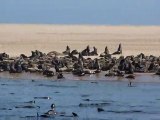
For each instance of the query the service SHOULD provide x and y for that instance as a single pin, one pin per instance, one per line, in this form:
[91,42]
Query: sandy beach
[18,38]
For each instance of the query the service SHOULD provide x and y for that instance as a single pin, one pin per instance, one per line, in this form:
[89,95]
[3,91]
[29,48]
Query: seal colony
[80,63]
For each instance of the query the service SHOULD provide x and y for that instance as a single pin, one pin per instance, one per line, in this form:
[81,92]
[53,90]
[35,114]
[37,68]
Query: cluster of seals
[55,63]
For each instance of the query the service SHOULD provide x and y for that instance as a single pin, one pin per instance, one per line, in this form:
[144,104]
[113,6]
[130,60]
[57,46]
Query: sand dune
[17,39]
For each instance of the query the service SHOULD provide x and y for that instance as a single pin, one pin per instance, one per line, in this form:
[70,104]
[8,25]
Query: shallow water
[120,102]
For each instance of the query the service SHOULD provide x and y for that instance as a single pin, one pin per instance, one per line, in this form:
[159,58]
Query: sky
[101,12]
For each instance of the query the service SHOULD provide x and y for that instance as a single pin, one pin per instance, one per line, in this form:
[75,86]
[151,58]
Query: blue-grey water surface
[101,12]
[140,102]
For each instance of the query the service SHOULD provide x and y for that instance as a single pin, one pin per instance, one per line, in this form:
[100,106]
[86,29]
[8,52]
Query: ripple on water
[119,101]
[57,86]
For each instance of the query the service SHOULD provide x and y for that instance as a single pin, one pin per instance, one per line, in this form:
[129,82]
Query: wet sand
[139,77]
[17,39]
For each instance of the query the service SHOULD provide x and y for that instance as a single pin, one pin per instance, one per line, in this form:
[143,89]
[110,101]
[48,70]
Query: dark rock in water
[42,98]
[100,109]
[12,93]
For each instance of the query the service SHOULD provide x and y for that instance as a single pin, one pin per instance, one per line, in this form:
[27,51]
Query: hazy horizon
[98,12]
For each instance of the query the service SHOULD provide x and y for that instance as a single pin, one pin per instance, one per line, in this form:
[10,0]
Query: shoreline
[139,77]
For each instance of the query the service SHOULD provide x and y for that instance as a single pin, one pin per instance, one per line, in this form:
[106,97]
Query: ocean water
[120,102]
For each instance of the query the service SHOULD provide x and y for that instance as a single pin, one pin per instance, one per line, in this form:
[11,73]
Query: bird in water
[74,114]
[51,112]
